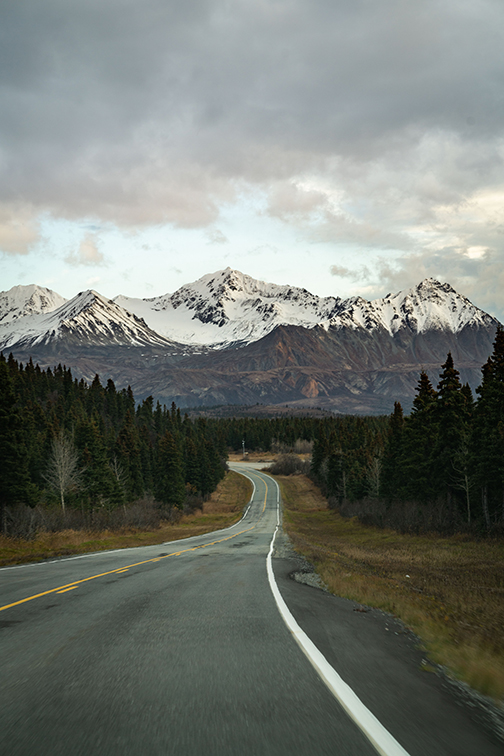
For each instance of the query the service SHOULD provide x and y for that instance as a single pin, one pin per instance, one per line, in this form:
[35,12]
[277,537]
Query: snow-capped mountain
[430,306]
[88,318]
[27,300]
[226,309]
[229,308]
[229,339]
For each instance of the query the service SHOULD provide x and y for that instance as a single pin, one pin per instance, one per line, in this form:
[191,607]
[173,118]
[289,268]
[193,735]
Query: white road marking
[382,740]
[131,548]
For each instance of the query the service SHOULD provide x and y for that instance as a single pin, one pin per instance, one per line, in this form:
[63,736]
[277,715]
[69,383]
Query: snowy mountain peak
[430,305]
[223,309]
[27,300]
[87,318]
[229,307]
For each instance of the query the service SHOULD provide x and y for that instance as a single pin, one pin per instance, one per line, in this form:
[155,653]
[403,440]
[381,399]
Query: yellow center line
[118,570]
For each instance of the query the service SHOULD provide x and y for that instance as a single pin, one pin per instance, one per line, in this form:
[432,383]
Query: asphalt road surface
[182,649]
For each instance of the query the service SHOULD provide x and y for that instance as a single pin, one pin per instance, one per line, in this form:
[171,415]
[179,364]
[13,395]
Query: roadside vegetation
[402,513]
[88,457]
[223,508]
[448,590]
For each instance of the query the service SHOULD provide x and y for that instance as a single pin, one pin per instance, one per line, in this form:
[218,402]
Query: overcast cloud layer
[373,127]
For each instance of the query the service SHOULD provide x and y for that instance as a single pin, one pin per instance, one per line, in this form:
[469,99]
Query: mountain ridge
[229,308]
[87,317]
[293,347]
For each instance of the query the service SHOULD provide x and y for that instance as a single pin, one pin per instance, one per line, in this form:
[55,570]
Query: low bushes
[289,464]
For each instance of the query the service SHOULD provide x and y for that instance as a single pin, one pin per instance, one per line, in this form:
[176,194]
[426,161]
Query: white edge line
[382,740]
[131,548]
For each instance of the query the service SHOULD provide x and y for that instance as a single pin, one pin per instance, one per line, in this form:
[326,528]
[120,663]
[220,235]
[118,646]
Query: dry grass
[222,509]
[252,456]
[449,591]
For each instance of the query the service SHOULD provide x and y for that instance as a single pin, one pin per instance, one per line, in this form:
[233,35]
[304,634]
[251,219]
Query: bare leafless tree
[373,474]
[63,473]
[119,475]
[462,479]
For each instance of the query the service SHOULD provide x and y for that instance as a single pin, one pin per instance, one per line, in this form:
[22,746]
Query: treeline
[441,468]
[266,434]
[346,451]
[90,448]
[292,434]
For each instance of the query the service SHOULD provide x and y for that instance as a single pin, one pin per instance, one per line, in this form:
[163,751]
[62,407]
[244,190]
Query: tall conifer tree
[452,419]
[15,484]
[415,464]
[169,485]
[390,480]
[487,443]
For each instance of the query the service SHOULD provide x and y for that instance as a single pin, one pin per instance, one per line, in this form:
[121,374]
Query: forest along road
[182,649]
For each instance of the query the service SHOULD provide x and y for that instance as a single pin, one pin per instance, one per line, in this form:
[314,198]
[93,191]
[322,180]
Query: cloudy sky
[347,146]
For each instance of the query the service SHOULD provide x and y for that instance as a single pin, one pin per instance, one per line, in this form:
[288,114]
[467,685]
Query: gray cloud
[360,274]
[371,124]
[480,278]
[87,253]
[19,228]
[215,236]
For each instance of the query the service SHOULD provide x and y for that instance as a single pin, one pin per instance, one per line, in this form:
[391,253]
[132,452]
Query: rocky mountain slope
[230,339]
[27,300]
[229,308]
[87,319]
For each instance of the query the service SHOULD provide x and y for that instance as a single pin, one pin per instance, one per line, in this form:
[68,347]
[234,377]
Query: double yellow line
[71,586]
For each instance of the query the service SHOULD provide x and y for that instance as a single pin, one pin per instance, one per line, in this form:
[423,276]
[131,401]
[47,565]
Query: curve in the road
[71,586]
[379,736]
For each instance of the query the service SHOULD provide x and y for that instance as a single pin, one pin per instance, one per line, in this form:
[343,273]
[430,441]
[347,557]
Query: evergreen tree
[169,485]
[192,464]
[414,474]
[99,482]
[127,452]
[393,452]
[319,453]
[15,483]
[487,441]
[452,429]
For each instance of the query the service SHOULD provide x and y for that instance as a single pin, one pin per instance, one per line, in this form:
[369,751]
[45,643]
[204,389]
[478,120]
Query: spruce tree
[192,464]
[15,483]
[319,453]
[169,485]
[487,441]
[452,429]
[415,479]
[127,451]
[99,481]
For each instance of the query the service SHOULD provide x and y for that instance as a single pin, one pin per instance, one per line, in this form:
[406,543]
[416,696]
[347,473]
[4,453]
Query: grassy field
[449,591]
[223,508]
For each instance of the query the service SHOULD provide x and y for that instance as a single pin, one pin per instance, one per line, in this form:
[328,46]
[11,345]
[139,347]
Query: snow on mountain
[223,309]
[229,307]
[429,306]
[27,300]
[88,318]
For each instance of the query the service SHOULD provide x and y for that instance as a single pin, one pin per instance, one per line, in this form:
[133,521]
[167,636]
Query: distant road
[181,649]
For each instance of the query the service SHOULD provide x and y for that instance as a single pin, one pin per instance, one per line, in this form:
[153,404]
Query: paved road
[181,649]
